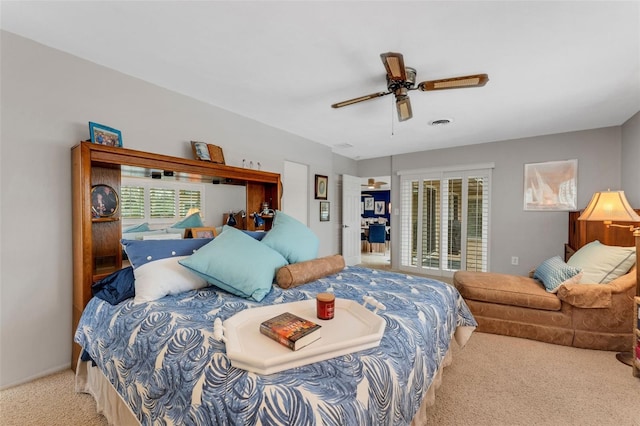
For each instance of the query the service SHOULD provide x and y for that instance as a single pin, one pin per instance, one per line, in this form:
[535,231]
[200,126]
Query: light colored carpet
[494,380]
[49,401]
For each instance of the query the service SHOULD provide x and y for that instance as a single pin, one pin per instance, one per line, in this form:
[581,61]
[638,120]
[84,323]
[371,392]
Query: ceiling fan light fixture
[410,81]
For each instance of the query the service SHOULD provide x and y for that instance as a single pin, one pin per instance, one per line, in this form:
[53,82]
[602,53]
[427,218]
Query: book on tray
[290,330]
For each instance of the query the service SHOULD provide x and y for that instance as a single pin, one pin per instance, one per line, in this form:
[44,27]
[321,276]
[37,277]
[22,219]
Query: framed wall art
[369,203]
[104,135]
[379,207]
[322,182]
[104,201]
[324,211]
[551,186]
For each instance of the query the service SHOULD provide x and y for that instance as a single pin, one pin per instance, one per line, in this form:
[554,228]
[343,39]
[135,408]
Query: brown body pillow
[303,272]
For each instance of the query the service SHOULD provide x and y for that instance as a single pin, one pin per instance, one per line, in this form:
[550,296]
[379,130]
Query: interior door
[351,245]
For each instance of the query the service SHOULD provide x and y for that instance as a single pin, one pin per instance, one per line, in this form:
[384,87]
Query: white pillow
[176,236]
[602,264]
[162,277]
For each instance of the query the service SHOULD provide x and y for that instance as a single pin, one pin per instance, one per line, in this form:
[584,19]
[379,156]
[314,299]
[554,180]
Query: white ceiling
[553,66]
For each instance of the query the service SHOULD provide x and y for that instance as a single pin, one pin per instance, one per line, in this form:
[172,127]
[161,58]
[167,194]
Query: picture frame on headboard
[105,135]
[216,154]
[202,232]
[200,151]
[104,201]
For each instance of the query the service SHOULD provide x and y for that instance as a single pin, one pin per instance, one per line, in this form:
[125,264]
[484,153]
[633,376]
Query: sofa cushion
[586,295]
[505,289]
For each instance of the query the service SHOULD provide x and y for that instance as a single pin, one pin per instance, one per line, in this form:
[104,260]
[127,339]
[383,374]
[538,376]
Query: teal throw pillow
[554,272]
[292,239]
[192,221]
[237,263]
[143,227]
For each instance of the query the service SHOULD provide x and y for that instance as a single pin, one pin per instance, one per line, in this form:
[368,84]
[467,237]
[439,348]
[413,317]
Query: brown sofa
[593,316]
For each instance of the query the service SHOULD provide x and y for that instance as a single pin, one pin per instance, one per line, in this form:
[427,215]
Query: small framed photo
[104,201]
[204,232]
[321,187]
[215,153]
[324,211]
[379,207]
[104,135]
[200,151]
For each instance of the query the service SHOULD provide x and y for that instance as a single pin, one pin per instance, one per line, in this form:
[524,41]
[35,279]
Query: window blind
[444,220]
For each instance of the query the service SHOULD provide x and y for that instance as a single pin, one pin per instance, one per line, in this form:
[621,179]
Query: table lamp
[607,207]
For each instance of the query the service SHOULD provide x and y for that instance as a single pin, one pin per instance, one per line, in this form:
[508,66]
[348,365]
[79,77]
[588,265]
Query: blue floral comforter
[162,359]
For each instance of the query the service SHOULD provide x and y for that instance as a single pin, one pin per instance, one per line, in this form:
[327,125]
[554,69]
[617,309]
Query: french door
[444,220]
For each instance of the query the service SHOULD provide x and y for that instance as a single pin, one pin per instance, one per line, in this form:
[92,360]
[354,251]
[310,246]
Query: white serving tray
[352,329]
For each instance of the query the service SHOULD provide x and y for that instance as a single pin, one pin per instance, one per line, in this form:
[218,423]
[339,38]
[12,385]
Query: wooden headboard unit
[96,242]
[582,232]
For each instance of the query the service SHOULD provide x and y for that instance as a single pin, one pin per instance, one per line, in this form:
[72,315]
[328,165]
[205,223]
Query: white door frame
[351,245]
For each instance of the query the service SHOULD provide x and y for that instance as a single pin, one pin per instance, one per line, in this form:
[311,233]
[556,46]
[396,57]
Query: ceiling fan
[372,184]
[401,79]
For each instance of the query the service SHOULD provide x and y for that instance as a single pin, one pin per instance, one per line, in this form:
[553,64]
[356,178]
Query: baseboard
[53,370]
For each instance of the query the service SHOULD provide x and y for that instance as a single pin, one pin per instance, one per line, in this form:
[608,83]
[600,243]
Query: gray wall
[631,160]
[48,97]
[532,236]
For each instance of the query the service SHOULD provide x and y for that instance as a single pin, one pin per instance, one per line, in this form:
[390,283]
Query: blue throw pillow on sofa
[554,272]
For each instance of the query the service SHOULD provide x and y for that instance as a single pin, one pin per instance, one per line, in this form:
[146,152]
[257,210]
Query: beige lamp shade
[609,206]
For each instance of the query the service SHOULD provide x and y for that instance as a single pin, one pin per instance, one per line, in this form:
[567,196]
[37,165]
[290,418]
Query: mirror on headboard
[215,196]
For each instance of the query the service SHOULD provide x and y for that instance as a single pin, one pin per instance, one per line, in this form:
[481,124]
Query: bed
[159,363]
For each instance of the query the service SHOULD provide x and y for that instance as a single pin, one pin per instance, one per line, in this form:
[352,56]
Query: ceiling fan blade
[477,80]
[403,105]
[394,63]
[360,99]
